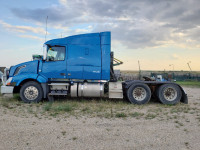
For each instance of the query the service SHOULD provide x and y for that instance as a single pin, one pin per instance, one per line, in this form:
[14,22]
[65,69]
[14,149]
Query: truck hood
[30,67]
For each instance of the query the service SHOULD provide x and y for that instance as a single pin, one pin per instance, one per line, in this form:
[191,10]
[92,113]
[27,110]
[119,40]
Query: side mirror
[37,57]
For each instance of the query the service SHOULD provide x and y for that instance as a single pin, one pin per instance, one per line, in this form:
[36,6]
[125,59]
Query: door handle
[62,74]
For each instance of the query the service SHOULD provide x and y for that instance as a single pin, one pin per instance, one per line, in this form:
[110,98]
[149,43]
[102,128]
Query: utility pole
[173,69]
[139,70]
[172,66]
[189,65]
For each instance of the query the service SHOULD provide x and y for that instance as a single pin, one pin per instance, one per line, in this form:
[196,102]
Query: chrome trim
[17,70]
[7,89]
[4,76]
[74,90]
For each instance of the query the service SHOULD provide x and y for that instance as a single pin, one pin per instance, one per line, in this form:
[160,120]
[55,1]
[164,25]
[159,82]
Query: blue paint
[19,78]
[91,72]
[42,79]
[74,72]
[105,50]
[87,57]
[54,69]
[30,67]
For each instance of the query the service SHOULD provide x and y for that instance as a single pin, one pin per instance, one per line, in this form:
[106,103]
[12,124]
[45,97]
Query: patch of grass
[198,118]
[106,115]
[64,108]
[189,83]
[121,115]
[57,108]
[179,123]
[74,138]
[53,114]
[186,130]
[47,106]
[30,110]
[63,133]
[136,114]
[155,110]
[91,107]
[5,104]
[187,145]
[16,96]
[86,109]
[179,109]
[150,116]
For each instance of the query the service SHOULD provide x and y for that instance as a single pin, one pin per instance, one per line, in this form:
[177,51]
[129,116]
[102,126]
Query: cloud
[32,37]
[136,24]
[22,29]
[175,56]
[63,2]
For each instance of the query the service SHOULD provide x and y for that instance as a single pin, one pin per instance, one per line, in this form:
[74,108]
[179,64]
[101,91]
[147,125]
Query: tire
[31,92]
[169,94]
[139,93]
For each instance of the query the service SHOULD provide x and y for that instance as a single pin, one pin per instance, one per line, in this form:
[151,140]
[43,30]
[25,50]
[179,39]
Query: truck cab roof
[81,39]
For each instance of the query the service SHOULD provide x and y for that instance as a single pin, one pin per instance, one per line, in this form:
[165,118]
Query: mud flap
[184,98]
[50,98]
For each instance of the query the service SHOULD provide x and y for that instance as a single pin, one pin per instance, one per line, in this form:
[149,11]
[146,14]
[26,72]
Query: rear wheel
[139,93]
[31,92]
[169,94]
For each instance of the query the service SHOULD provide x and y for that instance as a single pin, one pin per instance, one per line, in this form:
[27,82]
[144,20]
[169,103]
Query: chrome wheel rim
[31,93]
[139,93]
[170,93]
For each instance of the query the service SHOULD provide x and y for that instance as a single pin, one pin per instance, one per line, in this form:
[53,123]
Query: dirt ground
[174,127]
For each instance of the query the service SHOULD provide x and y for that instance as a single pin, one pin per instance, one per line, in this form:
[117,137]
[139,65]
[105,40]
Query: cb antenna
[46,30]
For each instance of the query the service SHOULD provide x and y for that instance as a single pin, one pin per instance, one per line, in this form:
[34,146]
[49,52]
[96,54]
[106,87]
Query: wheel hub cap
[139,93]
[170,94]
[31,93]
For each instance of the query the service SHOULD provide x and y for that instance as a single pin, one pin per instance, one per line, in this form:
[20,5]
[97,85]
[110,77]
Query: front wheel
[169,94]
[31,92]
[139,93]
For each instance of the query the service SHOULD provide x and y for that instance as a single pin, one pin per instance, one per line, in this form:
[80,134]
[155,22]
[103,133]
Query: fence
[177,75]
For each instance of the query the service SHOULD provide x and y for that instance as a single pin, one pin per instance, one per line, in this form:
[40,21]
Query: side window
[56,53]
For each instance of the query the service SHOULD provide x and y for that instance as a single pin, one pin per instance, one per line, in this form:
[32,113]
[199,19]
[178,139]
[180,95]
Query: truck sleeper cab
[82,66]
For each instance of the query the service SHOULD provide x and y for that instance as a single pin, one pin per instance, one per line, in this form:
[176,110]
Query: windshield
[56,53]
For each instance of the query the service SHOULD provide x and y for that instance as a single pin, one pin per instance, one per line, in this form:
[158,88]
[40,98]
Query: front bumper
[7,89]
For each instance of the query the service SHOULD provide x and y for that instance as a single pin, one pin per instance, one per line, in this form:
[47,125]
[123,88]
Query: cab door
[55,65]
[84,62]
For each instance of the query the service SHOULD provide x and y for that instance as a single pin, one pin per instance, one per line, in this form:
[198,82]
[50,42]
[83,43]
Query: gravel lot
[173,127]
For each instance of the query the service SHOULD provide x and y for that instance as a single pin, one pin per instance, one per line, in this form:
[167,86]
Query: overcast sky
[155,32]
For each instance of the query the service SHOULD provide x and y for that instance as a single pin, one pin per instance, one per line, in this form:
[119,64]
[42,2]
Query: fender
[42,79]
[20,78]
[44,83]
[17,80]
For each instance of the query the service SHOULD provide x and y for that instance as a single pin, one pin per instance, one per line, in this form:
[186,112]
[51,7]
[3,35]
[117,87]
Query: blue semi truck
[82,66]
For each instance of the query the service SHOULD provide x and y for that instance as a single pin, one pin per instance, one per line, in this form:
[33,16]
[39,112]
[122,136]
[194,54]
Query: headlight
[8,82]
[18,69]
